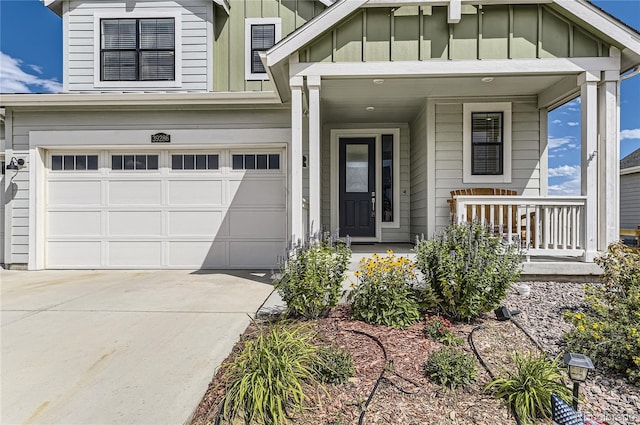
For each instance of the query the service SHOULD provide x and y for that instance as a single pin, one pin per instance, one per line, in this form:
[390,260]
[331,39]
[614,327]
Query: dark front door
[357,187]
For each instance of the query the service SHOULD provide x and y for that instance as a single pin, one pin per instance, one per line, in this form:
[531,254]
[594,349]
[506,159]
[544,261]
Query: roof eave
[140,99]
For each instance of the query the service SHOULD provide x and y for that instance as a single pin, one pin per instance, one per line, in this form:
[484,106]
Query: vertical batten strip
[420,34]
[364,35]
[479,36]
[392,32]
[539,34]
[510,36]
[571,32]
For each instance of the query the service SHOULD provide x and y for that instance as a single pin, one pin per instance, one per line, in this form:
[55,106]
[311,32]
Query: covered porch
[395,117]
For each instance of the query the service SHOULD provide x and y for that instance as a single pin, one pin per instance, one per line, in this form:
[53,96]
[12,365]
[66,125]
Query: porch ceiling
[399,99]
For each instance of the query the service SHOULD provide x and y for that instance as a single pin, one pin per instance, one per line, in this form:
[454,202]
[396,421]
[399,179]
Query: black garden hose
[484,365]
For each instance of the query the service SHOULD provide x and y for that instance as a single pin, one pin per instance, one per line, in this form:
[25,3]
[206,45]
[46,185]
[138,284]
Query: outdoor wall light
[579,366]
[15,164]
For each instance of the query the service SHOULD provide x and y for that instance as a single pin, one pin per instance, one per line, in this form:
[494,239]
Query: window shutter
[263,37]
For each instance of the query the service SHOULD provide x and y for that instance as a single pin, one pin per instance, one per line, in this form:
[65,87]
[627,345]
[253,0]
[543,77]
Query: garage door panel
[135,253]
[195,192]
[198,223]
[260,193]
[254,254]
[198,254]
[135,223]
[256,224]
[74,223]
[71,193]
[134,192]
[74,253]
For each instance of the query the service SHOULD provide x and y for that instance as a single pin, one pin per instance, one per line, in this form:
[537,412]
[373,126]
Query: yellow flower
[595,326]
[581,328]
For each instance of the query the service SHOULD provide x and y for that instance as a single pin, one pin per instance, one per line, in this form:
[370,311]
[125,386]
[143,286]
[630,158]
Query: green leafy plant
[333,365]
[311,278]
[264,383]
[439,328]
[527,390]
[451,368]
[468,269]
[384,294]
[608,330]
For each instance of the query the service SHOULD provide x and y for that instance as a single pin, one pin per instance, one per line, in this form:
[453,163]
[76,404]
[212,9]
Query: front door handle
[373,204]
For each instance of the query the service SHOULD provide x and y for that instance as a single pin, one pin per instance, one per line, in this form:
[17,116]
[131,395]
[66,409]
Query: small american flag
[563,414]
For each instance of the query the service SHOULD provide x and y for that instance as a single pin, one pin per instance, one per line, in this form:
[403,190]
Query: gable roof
[631,160]
[582,10]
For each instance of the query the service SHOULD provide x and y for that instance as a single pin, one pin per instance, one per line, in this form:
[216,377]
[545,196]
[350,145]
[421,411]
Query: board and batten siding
[22,122]
[525,173]
[630,200]
[229,34]
[419,174]
[196,16]
[400,234]
[413,33]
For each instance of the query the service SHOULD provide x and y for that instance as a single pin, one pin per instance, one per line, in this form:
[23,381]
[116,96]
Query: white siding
[195,15]
[419,200]
[113,120]
[525,152]
[630,201]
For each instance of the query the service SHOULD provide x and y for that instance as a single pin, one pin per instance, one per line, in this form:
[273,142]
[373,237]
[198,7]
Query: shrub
[264,382]
[440,329]
[333,365]
[311,278]
[608,331]
[528,389]
[384,294]
[451,368]
[469,270]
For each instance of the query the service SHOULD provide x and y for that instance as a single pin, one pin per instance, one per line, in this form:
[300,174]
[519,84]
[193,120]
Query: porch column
[297,231]
[588,83]
[313,84]
[609,152]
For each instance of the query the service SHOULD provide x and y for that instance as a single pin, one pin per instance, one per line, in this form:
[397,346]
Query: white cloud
[569,180]
[557,142]
[556,122]
[630,134]
[565,171]
[15,80]
[573,124]
[36,68]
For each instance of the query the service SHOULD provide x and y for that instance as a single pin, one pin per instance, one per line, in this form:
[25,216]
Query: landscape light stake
[578,366]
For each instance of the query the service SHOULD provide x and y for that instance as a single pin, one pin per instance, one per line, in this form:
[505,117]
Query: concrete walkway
[117,347]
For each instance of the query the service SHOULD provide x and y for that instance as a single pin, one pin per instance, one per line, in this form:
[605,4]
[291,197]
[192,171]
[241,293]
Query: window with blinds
[487,143]
[137,49]
[263,37]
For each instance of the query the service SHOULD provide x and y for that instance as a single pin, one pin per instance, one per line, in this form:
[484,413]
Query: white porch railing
[544,226]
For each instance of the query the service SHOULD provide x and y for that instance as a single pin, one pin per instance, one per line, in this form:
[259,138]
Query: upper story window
[137,49]
[487,143]
[260,35]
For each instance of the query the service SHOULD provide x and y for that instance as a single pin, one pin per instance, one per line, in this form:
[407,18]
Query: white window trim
[175,14]
[468,109]
[248,75]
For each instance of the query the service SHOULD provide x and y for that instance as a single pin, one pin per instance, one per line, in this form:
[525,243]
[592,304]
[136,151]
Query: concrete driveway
[117,347]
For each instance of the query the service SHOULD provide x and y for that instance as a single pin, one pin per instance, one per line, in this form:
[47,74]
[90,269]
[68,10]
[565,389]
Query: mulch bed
[404,396]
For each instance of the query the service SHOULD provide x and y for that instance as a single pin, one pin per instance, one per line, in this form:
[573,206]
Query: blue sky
[31,62]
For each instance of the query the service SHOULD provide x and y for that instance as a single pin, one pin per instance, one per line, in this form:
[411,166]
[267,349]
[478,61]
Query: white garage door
[165,209]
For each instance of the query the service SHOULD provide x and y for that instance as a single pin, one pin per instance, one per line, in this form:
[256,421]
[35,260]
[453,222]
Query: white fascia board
[602,22]
[327,2]
[141,99]
[311,30]
[399,3]
[457,68]
[630,170]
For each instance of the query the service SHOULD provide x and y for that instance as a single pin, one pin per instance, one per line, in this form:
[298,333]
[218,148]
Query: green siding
[412,33]
[229,45]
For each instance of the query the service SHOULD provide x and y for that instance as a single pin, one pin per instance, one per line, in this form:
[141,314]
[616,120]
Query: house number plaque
[160,138]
